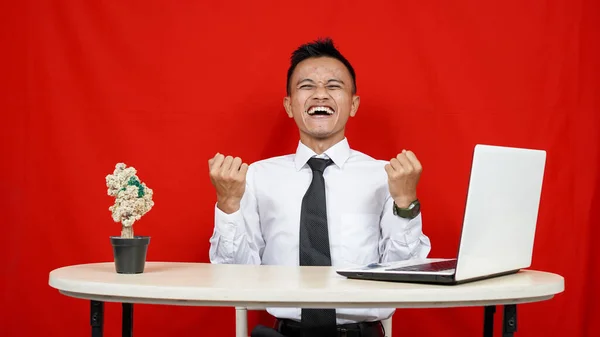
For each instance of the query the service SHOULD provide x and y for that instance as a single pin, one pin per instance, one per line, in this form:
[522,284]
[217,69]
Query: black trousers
[292,329]
[289,328]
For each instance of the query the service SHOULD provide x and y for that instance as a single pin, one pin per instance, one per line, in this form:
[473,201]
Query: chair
[241,322]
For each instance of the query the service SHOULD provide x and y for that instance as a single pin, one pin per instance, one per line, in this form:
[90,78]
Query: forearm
[235,239]
[402,239]
[408,244]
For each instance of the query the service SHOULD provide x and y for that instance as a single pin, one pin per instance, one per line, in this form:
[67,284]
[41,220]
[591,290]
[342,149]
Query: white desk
[202,284]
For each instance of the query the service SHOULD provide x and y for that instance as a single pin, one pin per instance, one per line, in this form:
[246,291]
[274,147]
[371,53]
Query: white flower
[133,198]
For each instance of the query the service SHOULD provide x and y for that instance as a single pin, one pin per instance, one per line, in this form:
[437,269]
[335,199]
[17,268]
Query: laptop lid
[501,211]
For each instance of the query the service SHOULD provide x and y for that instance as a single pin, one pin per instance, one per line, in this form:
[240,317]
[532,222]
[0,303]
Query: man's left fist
[404,172]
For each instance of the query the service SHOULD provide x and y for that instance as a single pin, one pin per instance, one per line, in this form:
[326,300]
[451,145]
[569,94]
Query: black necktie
[314,242]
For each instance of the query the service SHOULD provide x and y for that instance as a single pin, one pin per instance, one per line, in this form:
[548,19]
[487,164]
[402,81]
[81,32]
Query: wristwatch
[410,212]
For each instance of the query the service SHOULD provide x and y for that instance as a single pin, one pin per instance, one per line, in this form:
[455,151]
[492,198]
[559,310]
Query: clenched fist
[404,172]
[228,176]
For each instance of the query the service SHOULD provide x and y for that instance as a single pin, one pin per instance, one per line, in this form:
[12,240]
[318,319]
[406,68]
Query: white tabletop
[281,286]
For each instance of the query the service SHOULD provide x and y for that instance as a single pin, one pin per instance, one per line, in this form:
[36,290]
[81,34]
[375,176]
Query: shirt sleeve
[401,239]
[236,237]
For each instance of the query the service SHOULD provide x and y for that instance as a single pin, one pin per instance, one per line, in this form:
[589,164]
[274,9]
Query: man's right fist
[228,176]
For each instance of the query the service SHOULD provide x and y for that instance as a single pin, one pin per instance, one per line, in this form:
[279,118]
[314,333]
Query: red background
[164,85]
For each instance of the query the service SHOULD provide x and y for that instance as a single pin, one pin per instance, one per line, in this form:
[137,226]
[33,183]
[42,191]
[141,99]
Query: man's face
[321,98]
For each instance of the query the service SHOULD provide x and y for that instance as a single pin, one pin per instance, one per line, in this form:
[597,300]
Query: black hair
[319,48]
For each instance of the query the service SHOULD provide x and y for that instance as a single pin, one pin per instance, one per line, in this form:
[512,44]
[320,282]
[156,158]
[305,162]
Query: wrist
[228,205]
[404,201]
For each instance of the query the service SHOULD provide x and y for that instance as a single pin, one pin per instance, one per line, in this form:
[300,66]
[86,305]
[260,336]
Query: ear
[287,104]
[355,104]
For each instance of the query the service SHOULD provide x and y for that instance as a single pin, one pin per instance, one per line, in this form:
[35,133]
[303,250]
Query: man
[327,204]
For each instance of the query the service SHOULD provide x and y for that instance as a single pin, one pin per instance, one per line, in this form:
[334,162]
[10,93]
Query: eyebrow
[328,81]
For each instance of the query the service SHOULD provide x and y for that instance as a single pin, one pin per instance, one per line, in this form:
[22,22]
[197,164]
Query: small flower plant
[133,198]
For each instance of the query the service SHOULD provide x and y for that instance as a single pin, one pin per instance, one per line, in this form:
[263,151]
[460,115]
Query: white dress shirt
[362,226]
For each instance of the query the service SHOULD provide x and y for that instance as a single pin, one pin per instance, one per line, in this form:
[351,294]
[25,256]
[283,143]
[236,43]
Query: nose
[321,92]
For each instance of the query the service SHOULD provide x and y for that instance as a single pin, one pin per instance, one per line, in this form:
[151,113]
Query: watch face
[415,210]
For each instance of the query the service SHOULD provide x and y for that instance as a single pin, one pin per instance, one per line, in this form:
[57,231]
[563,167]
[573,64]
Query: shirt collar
[339,153]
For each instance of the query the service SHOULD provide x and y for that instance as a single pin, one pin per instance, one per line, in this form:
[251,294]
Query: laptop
[498,228]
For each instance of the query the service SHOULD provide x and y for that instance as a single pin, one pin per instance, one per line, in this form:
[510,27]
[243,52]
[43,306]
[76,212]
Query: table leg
[510,320]
[488,321]
[97,318]
[127,322]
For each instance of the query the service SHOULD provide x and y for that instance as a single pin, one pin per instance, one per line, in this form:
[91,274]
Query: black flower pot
[130,253]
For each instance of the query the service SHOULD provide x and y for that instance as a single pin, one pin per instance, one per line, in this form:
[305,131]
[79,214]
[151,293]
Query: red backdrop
[163,85]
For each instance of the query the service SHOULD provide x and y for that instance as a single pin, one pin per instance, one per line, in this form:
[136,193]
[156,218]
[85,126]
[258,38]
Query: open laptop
[498,226]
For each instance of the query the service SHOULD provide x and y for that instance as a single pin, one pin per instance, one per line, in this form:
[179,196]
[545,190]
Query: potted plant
[133,199]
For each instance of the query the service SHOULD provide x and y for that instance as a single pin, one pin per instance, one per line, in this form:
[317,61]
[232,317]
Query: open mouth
[320,111]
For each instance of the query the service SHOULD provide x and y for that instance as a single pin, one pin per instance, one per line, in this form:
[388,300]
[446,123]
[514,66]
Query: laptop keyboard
[432,266]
